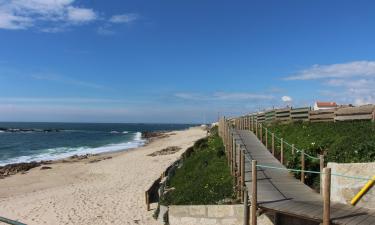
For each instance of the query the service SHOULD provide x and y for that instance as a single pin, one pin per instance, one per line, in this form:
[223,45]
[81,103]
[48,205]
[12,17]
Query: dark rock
[12,169]
[154,134]
[46,168]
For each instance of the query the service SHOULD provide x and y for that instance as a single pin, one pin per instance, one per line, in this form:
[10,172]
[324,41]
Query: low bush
[204,177]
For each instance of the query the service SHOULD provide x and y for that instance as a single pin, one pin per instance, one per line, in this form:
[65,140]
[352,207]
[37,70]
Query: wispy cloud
[343,70]
[222,96]
[124,18]
[76,100]
[52,16]
[23,14]
[351,82]
[68,80]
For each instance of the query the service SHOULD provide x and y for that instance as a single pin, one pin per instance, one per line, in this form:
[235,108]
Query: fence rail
[285,115]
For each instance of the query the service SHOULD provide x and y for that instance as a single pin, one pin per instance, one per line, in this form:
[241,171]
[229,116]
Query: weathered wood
[266,138]
[273,144]
[327,197]
[243,172]
[321,162]
[293,149]
[282,151]
[303,166]
[246,207]
[261,133]
[277,191]
[254,193]
[147,201]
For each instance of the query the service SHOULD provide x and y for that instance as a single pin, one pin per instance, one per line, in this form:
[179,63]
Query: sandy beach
[110,191]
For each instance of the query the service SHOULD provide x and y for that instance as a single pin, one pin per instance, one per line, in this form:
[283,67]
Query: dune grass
[204,177]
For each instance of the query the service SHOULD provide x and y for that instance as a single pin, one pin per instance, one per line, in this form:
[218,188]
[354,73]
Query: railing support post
[246,207]
[261,133]
[321,159]
[303,166]
[293,149]
[266,138]
[282,151]
[273,144]
[254,193]
[243,172]
[327,197]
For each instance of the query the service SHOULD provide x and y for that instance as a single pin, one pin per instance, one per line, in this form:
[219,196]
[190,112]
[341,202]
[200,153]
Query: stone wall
[344,189]
[211,214]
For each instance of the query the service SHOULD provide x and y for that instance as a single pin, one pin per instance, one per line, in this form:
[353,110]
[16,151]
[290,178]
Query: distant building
[325,105]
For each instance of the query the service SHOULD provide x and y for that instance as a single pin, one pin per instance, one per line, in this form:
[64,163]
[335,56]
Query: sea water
[51,141]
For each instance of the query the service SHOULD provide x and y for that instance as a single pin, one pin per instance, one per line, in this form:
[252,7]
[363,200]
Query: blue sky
[180,61]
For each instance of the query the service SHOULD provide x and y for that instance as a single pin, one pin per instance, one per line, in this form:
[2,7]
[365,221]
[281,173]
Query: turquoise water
[71,139]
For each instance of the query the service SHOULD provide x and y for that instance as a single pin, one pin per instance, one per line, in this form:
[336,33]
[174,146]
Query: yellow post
[364,190]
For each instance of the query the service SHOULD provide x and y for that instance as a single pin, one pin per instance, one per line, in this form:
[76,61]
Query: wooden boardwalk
[280,192]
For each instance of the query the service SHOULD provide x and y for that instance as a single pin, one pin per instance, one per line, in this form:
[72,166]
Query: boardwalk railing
[366,112]
[236,154]
[11,222]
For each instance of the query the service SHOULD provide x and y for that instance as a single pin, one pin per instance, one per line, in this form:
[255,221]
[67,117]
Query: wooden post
[254,193]
[303,166]
[327,196]
[256,129]
[321,158]
[261,133]
[239,176]
[266,138]
[282,151]
[231,155]
[273,144]
[293,149]
[147,201]
[246,207]
[243,172]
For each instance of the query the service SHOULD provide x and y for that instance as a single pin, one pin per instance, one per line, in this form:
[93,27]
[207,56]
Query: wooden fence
[286,115]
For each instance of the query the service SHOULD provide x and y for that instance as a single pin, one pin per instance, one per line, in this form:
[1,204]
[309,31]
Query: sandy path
[106,192]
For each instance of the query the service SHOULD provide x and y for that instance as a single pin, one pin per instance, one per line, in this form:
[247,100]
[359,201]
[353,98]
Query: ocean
[26,142]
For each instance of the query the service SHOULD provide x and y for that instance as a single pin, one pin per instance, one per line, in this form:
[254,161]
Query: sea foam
[65,152]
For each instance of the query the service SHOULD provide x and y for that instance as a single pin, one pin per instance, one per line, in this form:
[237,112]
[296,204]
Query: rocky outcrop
[167,151]
[12,169]
[20,130]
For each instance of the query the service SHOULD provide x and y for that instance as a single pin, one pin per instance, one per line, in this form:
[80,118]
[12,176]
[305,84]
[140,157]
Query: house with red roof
[325,105]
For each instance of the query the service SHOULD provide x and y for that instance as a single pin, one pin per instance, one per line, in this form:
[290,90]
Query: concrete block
[220,211]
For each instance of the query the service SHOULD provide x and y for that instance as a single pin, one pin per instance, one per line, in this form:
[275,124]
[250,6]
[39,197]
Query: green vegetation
[342,142]
[204,177]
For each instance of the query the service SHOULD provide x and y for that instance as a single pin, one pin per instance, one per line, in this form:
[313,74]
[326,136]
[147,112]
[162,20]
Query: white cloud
[68,80]
[23,14]
[241,96]
[76,100]
[124,18]
[344,70]
[80,15]
[105,30]
[236,96]
[351,82]
[286,98]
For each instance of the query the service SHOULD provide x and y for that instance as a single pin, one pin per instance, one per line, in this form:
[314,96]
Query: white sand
[106,192]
